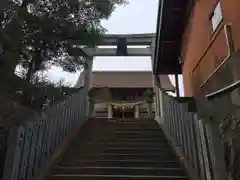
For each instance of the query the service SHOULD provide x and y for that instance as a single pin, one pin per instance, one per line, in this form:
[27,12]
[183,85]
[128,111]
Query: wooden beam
[112,51]
[132,39]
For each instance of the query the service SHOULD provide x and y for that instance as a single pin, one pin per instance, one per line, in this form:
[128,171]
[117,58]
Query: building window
[216,17]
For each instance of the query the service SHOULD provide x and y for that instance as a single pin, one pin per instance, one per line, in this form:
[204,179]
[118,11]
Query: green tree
[39,33]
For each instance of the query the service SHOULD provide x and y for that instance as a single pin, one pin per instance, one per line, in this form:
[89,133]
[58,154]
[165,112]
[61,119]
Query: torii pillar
[87,82]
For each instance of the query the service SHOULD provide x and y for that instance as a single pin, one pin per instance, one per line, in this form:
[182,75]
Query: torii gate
[119,41]
[122,42]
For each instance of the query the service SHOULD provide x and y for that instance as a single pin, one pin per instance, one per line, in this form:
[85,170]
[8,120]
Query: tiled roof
[126,79]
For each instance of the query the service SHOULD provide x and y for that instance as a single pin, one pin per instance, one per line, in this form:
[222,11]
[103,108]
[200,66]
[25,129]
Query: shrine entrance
[129,113]
[123,113]
[117,113]
[120,45]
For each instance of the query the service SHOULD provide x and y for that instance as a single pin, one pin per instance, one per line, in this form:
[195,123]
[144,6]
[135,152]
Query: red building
[201,40]
[211,73]
[211,45]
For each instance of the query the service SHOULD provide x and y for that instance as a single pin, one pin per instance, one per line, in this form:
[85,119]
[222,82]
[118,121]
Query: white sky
[139,16]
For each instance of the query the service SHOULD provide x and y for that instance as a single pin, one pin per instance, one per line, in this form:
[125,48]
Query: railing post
[156,103]
[219,166]
[183,127]
[176,123]
[14,151]
[210,149]
[200,150]
[195,149]
[25,151]
[188,139]
[169,119]
[204,150]
[161,103]
[192,136]
[181,137]
[31,144]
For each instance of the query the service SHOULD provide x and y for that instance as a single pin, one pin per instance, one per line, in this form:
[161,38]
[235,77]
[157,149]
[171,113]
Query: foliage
[41,93]
[38,93]
[39,33]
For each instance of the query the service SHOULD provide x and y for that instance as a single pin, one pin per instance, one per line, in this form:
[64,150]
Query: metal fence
[189,133]
[32,143]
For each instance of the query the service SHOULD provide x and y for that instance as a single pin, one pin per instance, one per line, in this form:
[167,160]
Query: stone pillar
[110,113]
[161,103]
[157,105]
[155,99]
[136,113]
[149,109]
[87,80]
[88,70]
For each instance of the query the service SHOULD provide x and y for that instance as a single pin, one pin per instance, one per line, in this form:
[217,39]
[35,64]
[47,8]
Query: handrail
[226,89]
[188,133]
[230,50]
[207,48]
[32,143]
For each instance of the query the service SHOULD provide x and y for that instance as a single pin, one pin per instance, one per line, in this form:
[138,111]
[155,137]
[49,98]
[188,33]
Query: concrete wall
[204,49]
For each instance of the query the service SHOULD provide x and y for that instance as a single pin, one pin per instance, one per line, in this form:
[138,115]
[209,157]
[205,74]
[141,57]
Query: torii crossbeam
[142,40]
[146,41]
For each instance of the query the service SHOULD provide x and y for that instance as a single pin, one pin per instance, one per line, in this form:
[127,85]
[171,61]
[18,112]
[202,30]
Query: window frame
[217,16]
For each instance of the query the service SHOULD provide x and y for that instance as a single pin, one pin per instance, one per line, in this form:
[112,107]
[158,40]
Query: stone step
[136,144]
[131,123]
[139,138]
[115,177]
[138,150]
[152,153]
[118,150]
[157,133]
[140,135]
[136,129]
[107,170]
[123,163]
[157,157]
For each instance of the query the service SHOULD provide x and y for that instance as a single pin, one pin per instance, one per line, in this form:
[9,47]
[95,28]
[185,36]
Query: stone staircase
[119,149]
